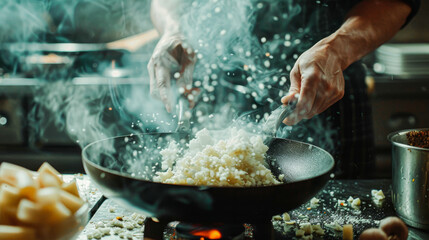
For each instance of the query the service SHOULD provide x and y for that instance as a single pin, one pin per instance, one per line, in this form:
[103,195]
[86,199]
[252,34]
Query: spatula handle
[183,124]
[277,116]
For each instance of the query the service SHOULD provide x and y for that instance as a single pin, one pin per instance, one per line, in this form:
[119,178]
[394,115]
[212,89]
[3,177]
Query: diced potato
[71,187]
[46,179]
[30,213]
[36,205]
[9,196]
[20,178]
[9,199]
[348,232]
[47,168]
[8,171]
[5,218]
[57,213]
[46,196]
[27,185]
[16,233]
[69,200]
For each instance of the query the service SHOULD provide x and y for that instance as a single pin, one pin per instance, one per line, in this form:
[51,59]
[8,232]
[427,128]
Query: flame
[208,234]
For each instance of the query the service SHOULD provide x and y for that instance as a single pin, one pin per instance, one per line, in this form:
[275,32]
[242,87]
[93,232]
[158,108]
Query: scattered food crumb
[286,217]
[377,194]
[342,203]
[334,226]
[314,202]
[299,233]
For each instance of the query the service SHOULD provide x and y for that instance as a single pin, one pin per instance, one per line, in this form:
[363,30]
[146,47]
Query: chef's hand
[318,79]
[172,57]
[391,228]
[317,75]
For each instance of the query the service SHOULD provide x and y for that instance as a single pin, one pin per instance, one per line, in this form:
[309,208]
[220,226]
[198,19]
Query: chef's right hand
[390,228]
[172,57]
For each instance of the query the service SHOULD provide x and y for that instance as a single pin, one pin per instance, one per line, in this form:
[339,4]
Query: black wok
[116,164]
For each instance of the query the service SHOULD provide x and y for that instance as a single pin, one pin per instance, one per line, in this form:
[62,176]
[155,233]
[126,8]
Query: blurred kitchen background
[398,86]
[36,86]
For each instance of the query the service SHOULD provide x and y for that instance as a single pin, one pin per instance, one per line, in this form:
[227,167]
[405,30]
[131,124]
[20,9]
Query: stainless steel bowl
[410,180]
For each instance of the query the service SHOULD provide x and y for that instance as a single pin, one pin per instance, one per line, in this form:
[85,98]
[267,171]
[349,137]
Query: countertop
[327,212]
[366,216]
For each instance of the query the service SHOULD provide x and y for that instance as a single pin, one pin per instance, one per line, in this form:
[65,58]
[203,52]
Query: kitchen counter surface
[366,216]
[328,212]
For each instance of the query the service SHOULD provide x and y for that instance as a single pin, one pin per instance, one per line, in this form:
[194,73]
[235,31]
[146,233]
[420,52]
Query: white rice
[236,160]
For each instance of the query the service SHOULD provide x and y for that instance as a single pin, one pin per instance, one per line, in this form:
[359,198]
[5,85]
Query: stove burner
[213,231]
[220,231]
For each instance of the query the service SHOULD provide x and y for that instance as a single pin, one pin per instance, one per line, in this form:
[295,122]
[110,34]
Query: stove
[187,231]
[152,228]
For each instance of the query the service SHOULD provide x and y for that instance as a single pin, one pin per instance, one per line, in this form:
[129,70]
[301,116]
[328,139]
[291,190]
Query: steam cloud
[228,46]
[236,36]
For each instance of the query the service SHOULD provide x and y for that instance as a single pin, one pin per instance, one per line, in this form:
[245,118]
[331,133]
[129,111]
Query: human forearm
[317,75]
[368,25]
[171,53]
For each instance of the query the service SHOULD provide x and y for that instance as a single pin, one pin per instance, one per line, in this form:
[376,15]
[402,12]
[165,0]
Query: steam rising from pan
[223,35]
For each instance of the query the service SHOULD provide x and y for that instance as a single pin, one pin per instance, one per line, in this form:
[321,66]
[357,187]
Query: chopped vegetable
[34,204]
[348,232]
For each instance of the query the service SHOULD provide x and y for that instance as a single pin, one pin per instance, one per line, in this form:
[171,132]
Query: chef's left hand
[318,79]
[171,53]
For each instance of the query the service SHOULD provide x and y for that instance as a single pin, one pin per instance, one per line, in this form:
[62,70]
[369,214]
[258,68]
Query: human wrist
[171,28]
[335,46]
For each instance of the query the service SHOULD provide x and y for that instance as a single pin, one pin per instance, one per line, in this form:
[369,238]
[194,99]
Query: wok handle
[183,124]
[277,116]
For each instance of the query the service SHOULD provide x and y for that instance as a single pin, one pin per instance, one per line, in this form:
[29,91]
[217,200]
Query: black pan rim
[250,188]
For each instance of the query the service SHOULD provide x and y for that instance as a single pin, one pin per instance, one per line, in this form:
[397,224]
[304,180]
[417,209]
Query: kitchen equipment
[398,96]
[130,44]
[402,59]
[266,126]
[69,229]
[277,116]
[108,162]
[264,123]
[62,60]
[183,123]
[410,180]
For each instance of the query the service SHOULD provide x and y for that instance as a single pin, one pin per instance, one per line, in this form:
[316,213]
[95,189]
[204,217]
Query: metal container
[410,180]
